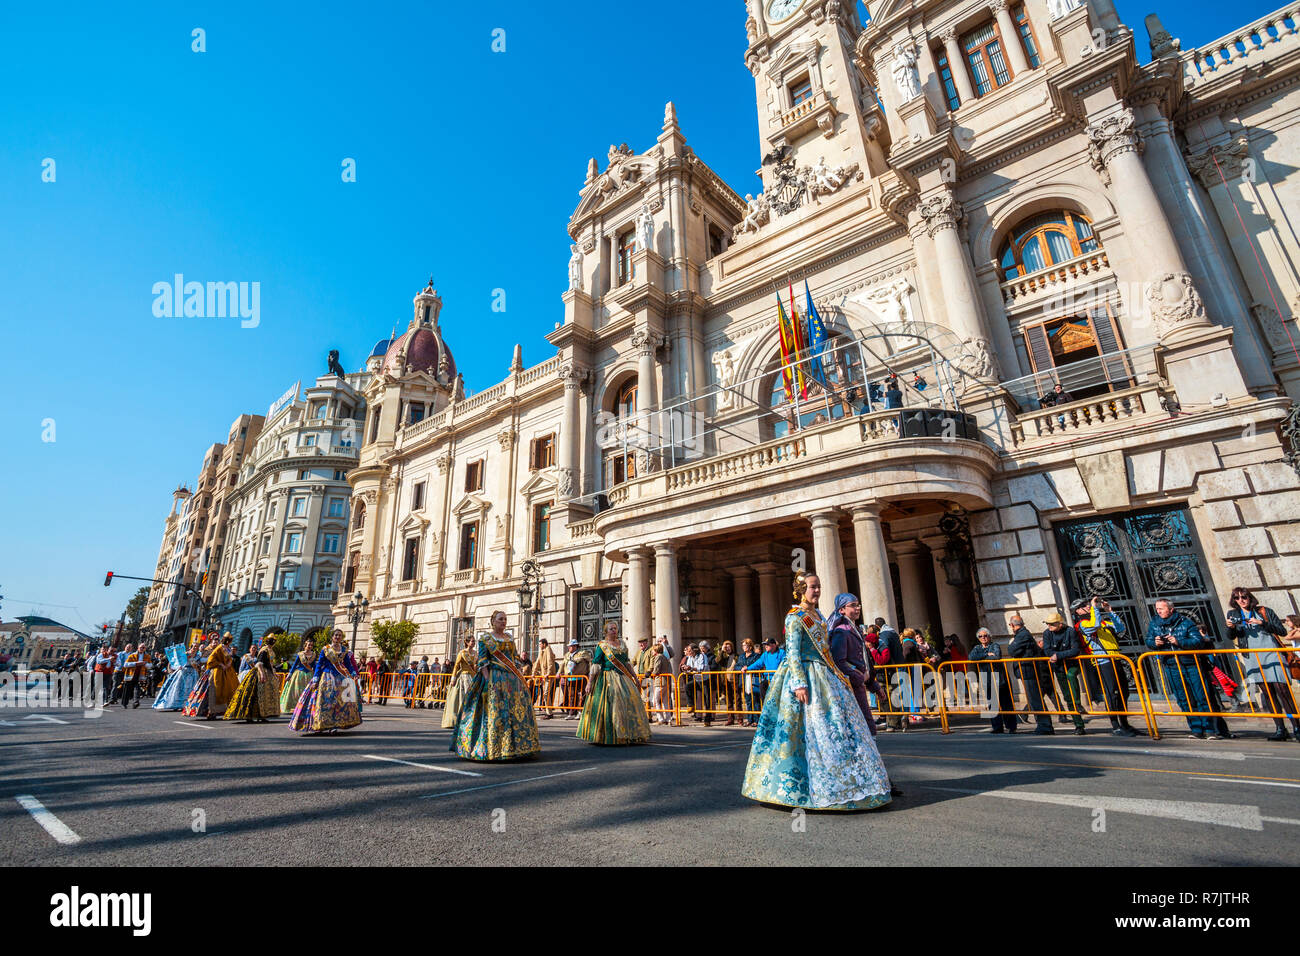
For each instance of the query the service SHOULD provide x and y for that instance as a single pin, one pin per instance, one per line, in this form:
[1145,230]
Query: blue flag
[816,338]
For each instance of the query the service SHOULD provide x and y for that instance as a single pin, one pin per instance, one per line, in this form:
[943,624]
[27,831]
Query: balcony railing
[1113,371]
[1055,279]
[1254,42]
[1087,418]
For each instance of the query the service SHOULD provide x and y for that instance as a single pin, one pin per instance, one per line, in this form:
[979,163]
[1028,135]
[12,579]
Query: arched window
[621,465]
[625,402]
[359,520]
[1046,240]
[843,395]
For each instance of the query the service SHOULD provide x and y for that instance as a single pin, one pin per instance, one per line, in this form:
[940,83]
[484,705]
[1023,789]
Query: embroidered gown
[462,675]
[496,717]
[330,700]
[258,696]
[295,682]
[178,686]
[211,696]
[614,713]
[820,755]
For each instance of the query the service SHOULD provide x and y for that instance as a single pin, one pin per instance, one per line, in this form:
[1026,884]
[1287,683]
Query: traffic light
[108,579]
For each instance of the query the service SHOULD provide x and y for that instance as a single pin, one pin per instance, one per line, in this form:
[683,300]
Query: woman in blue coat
[1171,630]
[1255,627]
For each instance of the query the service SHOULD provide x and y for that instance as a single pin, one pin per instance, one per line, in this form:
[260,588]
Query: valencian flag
[791,345]
[816,339]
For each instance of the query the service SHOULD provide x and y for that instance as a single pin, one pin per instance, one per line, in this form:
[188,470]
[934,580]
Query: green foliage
[394,638]
[135,608]
[286,645]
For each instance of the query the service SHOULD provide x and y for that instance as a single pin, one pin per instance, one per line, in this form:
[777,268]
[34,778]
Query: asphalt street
[147,788]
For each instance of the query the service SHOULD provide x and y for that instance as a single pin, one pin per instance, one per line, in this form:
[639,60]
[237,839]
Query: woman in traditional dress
[258,697]
[179,684]
[812,748]
[614,713]
[330,701]
[496,717]
[295,682]
[462,675]
[211,696]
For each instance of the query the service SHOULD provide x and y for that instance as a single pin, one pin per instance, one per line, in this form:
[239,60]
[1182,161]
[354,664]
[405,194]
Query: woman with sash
[211,696]
[180,683]
[614,714]
[300,672]
[496,717]
[258,696]
[812,748]
[331,700]
[462,675]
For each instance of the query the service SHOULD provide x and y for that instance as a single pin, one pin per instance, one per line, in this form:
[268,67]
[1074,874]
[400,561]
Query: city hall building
[979,202]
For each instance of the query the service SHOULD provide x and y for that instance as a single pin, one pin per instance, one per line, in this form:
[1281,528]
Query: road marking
[186,723]
[1086,766]
[507,783]
[1204,755]
[1219,814]
[657,744]
[1258,783]
[52,824]
[743,743]
[424,766]
[1280,820]
[45,717]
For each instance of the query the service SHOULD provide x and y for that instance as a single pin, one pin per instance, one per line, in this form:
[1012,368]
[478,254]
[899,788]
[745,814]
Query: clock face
[778,10]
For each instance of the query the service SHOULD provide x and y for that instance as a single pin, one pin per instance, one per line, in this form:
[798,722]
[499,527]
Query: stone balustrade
[1054,279]
[768,455]
[1088,417]
[1253,42]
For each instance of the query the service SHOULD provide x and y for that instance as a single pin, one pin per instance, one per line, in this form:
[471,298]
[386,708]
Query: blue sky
[225,166]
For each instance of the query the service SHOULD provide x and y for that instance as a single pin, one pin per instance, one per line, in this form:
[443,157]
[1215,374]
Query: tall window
[1052,347]
[945,77]
[619,467]
[410,554]
[374,425]
[309,440]
[1020,17]
[325,581]
[625,402]
[474,476]
[299,507]
[288,580]
[626,246]
[542,527]
[988,64]
[1046,240]
[330,544]
[350,579]
[468,545]
[800,91]
[336,506]
[543,452]
[293,543]
[360,521]
[416,413]
[417,496]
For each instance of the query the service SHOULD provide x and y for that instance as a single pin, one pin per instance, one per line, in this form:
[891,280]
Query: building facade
[153,617]
[981,201]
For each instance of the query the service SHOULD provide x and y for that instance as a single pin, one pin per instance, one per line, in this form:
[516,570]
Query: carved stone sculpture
[575,269]
[645,228]
[757,215]
[1173,302]
[905,72]
[726,367]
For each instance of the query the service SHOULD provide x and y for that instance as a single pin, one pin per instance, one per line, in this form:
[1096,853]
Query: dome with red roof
[425,351]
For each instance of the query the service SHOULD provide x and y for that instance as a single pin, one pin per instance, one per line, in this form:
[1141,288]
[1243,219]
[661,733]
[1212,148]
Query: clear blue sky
[225,166]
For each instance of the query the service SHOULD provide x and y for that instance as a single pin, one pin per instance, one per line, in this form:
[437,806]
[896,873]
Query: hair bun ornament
[800,585]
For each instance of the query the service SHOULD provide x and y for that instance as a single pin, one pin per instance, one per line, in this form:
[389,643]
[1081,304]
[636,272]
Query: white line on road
[655,743]
[507,783]
[1220,814]
[186,723]
[424,766]
[1201,755]
[52,824]
[1258,783]
[1280,820]
[743,743]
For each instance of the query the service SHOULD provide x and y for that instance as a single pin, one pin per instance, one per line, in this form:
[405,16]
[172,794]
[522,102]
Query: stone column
[957,65]
[646,343]
[956,606]
[772,606]
[828,559]
[570,473]
[941,212]
[668,599]
[912,572]
[1010,38]
[743,590]
[877,587]
[638,598]
[1172,300]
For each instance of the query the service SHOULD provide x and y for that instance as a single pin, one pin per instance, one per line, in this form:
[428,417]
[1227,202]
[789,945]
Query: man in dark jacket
[1062,645]
[1172,630]
[890,640]
[1036,677]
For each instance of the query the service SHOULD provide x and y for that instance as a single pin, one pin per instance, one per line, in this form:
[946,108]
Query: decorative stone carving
[1110,137]
[751,29]
[940,212]
[645,229]
[647,342]
[573,376]
[369,497]
[997,6]
[825,179]
[726,368]
[506,438]
[670,117]
[906,75]
[443,462]
[564,482]
[592,170]
[948,34]
[1272,325]
[757,215]
[1173,302]
[976,359]
[1222,163]
[575,269]
[589,245]
[892,301]
[1161,42]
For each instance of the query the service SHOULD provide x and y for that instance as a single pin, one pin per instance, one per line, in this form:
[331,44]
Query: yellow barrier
[730,694]
[414,690]
[1190,688]
[974,686]
[909,692]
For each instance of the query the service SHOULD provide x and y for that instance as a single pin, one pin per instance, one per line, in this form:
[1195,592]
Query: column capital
[1226,161]
[940,211]
[573,375]
[906,548]
[665,549]
[948,34]
[647,342]
[744,571]
[997,6]
[866,511]
[765,568]
[1113,135]
[822,519]
[640,552]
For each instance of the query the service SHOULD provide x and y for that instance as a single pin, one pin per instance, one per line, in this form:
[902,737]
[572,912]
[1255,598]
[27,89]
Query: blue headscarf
[837,616]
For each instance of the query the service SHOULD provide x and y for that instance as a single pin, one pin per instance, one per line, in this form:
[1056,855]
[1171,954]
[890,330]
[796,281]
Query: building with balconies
[982,202]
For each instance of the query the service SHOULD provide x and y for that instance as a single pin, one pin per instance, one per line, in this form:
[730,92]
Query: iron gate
[595,610]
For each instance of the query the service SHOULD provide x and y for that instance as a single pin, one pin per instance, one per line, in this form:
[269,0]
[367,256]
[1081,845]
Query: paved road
[130,785]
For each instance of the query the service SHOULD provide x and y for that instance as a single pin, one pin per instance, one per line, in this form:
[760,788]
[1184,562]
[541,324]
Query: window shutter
[1118,371]
[1040,356]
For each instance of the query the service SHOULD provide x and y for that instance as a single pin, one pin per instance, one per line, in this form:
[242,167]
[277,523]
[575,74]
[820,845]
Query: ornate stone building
[985,200]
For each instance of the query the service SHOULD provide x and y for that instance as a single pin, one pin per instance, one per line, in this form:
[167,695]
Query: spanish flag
[791,373]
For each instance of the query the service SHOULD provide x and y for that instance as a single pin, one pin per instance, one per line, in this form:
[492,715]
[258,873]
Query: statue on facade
[726,367]
[905,72]
[757,214]
[645,228]
[824,178]
[334,367]
[575,269]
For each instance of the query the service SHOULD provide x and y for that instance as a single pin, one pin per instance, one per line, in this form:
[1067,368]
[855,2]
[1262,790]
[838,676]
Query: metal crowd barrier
[422,690]
[1193,683]
[713,694]
[910,692]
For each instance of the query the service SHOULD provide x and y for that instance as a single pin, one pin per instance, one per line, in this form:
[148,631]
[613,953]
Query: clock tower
[814,104]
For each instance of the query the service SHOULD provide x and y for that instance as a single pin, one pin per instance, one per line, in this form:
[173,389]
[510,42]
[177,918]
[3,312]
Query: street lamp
[529,588]
[357,608]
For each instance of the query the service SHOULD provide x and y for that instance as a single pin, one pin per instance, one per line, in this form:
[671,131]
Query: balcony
[462,578]
[1263,40]
[1054,280]
[1089,418]
[816,111]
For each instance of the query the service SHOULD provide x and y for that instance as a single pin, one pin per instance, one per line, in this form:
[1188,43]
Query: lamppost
[529,588]
[357,609]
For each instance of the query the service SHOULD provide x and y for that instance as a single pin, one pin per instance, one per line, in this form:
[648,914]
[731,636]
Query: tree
[286,645]
[394,638]
[134,612]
